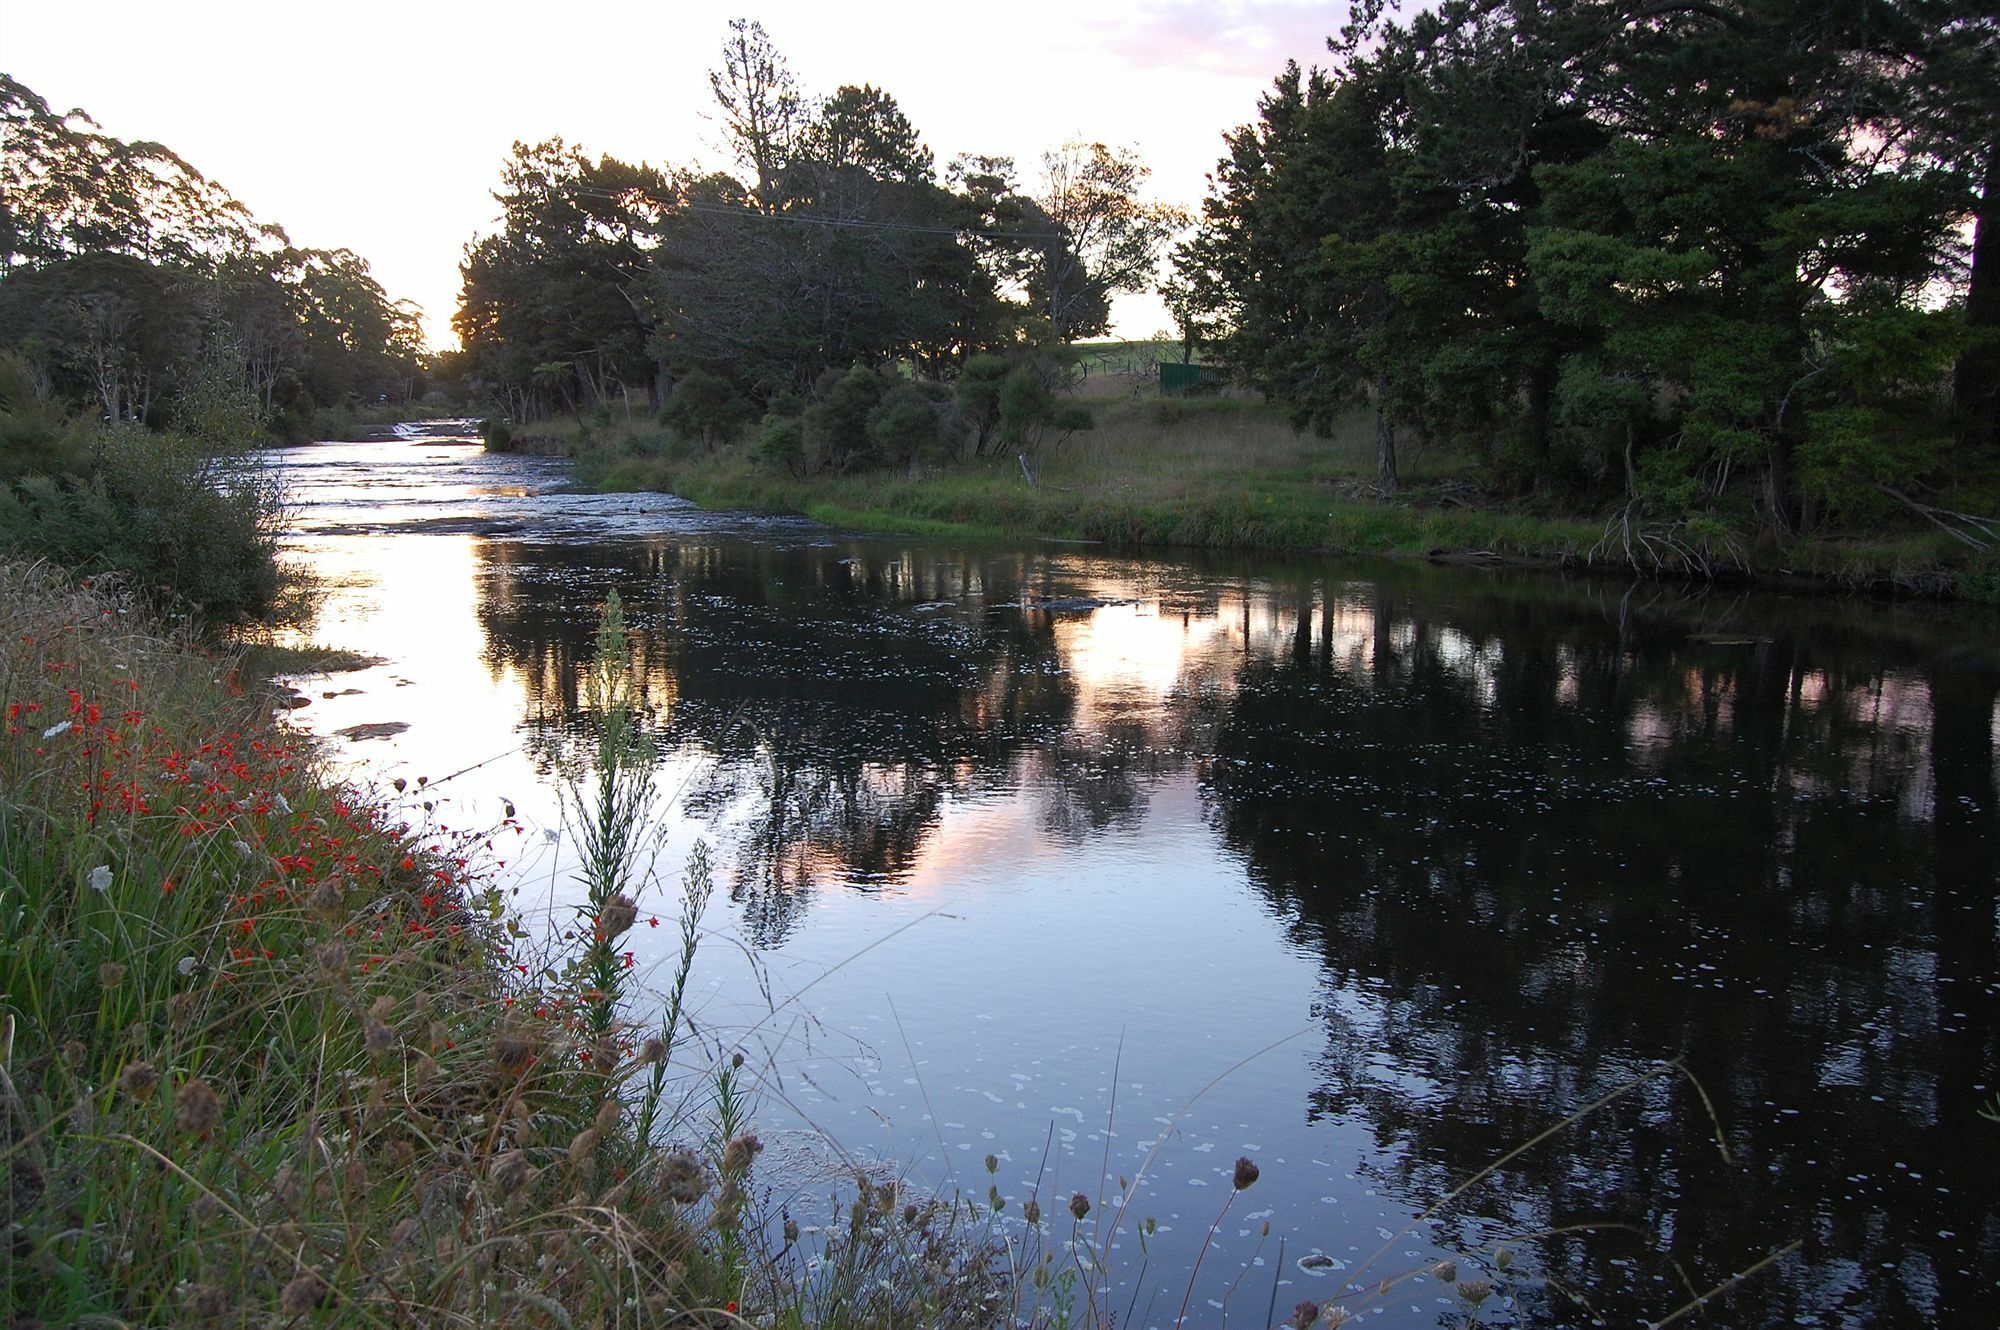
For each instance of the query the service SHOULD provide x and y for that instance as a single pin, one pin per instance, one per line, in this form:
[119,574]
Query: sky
[380,125]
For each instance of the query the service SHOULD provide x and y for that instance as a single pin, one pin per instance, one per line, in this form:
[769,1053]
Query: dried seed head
[736,1156]
[197,1108]
[405,1155]
[1305,1314]
[423,1071]
[204,1302]
[206,1207]
[512,1049]
[608,1115]
[180,1009]
[1246,1173]
[682,1177]
[617,917]
[910,1213]
[511,1172]
[1031,1210]
[653,1051]
[110,975]
[728,1216]
[1446,1272]
[332,957]
[993,1163]
[326,900]
[285,1190]
[403,1232]
[736,1058]
[791,1229]
[356,1176]
[995,1199]
[1475,1291]
[583,1147]
[72,1054]
[1079,1205]
[382,1008]
[378,1039]
[137,1080]
[306,1292]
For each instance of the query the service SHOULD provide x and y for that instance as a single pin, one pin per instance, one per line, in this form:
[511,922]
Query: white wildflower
[281,803]
[243,848]
[100,878]
[60,727]
[187,966]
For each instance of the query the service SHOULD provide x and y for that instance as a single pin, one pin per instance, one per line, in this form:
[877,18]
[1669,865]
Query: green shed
[1178,380]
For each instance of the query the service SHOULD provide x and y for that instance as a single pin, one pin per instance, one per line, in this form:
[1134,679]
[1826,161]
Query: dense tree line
[139,290]
[835,265]
[1701,252]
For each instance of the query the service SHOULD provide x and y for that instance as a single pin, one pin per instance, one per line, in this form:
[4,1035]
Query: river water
[1126,867]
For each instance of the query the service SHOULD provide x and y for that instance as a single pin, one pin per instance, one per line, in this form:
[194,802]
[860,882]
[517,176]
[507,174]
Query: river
[1370,872]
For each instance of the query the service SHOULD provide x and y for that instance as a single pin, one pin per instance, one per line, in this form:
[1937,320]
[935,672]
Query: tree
[566,282]
[762,109]
[1102,237]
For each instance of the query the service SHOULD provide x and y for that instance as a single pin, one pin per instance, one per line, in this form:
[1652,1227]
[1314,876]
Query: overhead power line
[843,223]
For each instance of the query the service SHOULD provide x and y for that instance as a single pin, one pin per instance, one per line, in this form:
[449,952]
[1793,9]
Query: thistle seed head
[736,1156]
[682,1177]
[306,1292]
[1246,1173]
[137,1080]
[617,917]
[197,1108]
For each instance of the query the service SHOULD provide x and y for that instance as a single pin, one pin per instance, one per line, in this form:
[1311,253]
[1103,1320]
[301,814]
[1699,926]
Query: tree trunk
[1386,481]
[1541,394]
[1976,384]
[1778,487]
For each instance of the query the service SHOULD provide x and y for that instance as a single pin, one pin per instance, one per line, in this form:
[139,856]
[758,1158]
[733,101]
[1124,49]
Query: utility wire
[813,219]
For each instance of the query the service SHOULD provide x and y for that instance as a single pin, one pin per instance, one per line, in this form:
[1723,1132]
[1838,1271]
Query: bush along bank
[1230,473]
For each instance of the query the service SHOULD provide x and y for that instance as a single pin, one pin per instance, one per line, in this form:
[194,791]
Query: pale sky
[380,125]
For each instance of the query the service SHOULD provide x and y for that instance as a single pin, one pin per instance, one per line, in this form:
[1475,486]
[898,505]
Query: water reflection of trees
[1538,850]
[1538,838]
[836,697]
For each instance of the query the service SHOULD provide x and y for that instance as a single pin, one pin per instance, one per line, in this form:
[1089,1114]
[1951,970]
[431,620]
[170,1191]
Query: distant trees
[835,242]
[1660,251]
[131,282]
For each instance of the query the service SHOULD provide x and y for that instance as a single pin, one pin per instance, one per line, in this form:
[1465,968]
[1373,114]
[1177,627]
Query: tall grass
[269,1055]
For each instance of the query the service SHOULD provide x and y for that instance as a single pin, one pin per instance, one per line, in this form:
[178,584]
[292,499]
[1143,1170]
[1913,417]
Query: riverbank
[1229,473]
[272,1048]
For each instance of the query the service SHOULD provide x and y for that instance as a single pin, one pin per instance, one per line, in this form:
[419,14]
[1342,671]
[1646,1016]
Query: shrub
[915,420]
[706,408]
[195,529]
[834,429]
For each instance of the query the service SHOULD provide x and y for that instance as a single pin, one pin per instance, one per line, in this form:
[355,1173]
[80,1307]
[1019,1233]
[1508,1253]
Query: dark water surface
[1388,868]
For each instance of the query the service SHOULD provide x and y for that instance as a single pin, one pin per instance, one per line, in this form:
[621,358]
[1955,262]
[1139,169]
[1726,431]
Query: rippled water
[1127,867]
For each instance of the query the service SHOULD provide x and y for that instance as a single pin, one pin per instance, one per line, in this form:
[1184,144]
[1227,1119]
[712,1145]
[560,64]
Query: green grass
[1229,473]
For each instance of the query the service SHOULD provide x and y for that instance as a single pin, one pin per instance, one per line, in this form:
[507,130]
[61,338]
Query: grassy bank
[270,1055]
[1229,473]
